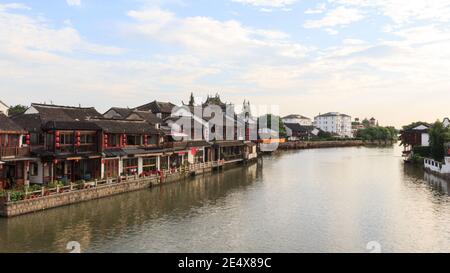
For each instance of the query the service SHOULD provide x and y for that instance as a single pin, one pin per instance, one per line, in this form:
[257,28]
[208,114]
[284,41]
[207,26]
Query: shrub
[422,151]
[16,196]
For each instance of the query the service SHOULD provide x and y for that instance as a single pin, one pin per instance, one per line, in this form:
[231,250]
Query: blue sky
[387,59]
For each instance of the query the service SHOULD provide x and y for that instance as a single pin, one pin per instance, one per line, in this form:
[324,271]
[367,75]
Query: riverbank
[298,145]
[317,200]
[76,193]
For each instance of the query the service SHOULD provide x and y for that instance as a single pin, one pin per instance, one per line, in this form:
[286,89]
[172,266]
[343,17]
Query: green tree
[439,135]
[18,109]
[377,133]
[366,123]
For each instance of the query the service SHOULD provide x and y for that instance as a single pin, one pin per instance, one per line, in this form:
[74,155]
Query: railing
[72,187]
[74,149]
[14,151]
[433,164]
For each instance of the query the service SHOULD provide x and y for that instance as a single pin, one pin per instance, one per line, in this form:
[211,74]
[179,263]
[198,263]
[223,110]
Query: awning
[114,153]
[73,158]
[18,159]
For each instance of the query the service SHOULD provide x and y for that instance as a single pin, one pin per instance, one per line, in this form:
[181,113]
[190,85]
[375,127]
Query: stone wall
[57,200]
[10,209]
[319,144]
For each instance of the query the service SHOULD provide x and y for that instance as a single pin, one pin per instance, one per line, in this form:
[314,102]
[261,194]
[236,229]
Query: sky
[388,59]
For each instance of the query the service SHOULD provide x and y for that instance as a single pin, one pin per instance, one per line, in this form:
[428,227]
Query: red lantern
[27,139]
[57,133]
[55,161]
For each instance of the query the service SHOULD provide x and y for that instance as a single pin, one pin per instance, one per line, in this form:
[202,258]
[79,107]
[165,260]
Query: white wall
[3,109]
[39,178]
[435,166]
[336,124]
[425,139]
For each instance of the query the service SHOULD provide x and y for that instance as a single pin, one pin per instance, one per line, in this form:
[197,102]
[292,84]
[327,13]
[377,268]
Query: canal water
[325,200]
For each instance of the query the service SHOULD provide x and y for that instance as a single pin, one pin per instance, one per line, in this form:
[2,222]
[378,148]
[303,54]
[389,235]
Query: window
[33,169]
[113,140]
[130,166]
[152,140]
[87,139]
[149,164]
[134,140]
[66,138]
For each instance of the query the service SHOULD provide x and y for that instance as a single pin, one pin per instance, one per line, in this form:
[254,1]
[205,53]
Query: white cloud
[206,36]
[73,2]
[267,3]
[23,33]
[337,17]
[320,8]
[404,11]
[14,6]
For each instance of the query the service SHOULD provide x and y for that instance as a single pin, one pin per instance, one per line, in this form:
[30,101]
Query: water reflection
[326,200]
[417,175]
[107,219]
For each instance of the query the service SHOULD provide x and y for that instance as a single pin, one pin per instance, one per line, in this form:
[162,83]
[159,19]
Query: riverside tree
[439,135]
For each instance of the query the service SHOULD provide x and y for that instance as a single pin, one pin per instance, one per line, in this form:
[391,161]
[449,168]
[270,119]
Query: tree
[377,133]
[439,135]
[18,109]
[366,123]
[192,100]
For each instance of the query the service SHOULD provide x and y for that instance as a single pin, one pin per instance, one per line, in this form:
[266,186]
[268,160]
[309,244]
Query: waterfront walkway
[47,198]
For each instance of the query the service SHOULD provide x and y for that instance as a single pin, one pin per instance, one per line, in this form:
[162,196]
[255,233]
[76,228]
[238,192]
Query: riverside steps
[75,193]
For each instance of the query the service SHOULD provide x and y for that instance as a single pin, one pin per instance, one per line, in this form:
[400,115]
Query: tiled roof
[295,117]
[65,113]
[30,122]
[157,107]
[299,129]
[147,116]
[115,126]
[123,112]
[8,125]
[333,114]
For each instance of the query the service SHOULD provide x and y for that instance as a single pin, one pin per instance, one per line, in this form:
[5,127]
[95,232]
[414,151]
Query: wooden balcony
[14,151]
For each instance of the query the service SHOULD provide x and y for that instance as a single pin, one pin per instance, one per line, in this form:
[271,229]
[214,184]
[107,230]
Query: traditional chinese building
[14,154]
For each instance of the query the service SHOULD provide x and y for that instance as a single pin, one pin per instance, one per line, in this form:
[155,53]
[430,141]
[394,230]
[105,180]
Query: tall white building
[3,108]
[297,119]
[335,123]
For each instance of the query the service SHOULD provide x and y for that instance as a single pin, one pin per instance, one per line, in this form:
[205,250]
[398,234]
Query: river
[324,200]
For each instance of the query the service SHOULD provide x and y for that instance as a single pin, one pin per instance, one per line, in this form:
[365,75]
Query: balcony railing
[14,151]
